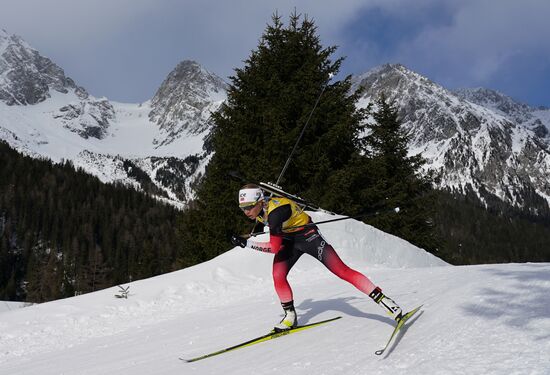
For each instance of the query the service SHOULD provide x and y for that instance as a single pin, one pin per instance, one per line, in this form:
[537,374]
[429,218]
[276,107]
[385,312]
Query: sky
[124,49]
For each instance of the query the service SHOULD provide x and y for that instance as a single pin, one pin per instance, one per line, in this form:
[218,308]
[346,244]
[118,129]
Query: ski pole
[303,130]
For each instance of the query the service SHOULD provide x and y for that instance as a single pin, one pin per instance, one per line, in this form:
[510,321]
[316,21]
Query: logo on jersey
[311,238]
[320,250]
[260,248]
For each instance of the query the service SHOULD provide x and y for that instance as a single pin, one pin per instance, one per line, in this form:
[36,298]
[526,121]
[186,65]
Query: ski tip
[409,314]
[414,310]
[379,352]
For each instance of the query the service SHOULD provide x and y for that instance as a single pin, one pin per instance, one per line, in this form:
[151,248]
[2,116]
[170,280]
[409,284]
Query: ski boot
[290,320]
[387,303]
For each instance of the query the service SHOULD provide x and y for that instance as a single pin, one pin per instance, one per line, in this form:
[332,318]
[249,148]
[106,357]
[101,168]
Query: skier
[288,241]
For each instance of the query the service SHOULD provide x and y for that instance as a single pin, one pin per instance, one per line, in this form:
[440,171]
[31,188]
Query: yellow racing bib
[297,218]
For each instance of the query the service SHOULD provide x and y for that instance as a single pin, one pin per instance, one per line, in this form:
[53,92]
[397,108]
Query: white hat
[249,196]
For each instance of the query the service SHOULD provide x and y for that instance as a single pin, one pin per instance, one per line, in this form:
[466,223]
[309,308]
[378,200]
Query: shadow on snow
[523,301]
[313,308]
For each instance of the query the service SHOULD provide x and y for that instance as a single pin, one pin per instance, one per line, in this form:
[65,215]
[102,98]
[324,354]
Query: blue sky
[124,49]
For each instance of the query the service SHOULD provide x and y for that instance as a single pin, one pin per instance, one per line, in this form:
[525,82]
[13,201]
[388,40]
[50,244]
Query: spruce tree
[396,180]
[63,231]
[269,101]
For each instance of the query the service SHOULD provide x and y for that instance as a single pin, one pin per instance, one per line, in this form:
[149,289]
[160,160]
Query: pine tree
[396,180]
[64,232]
[269,101]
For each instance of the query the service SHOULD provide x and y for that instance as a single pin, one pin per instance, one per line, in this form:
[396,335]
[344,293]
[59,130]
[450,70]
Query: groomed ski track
[491,319]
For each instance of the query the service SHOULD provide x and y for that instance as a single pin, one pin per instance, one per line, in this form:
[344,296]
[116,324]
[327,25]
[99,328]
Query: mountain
[473,319]
[27,78]
[537,119]
[477,141]
[156,146]
[185,99]
[472,143]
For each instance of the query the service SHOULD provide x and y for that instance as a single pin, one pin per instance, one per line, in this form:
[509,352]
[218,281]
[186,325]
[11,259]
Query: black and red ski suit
[289,247]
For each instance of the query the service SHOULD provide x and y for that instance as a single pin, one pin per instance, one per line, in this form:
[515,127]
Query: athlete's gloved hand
[237,240]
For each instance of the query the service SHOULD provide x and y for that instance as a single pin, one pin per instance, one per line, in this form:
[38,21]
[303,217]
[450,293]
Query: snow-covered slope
[472,147]
[158,143]
[9,305]
[476,320]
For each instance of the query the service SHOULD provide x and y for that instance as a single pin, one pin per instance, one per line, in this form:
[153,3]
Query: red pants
[312,243]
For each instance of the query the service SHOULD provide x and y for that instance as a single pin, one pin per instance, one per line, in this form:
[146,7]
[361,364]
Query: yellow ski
[257,340]
[399,325]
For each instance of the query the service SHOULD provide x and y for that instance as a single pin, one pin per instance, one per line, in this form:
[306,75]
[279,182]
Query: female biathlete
[288,241]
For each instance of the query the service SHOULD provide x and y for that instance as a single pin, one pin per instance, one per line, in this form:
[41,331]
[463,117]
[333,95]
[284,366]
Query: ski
[397,328]
[257,340]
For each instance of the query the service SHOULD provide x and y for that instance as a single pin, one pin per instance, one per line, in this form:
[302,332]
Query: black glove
[237,240]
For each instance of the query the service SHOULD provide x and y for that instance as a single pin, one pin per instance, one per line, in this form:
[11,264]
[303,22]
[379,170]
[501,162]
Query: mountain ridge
[57,119]
[476,140]
[471,147]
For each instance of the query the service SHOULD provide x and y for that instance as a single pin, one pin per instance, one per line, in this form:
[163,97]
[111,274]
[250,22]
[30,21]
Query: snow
[130,134]
[544,116]
[34,131]
[489,319]
[470,145]
[3,41]
[8,305]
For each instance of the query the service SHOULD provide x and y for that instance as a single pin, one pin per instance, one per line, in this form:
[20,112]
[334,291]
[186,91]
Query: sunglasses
[249,207]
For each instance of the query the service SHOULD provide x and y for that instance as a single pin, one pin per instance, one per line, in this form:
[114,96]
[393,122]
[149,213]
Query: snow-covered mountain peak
[536,119]
[43,113]
[6,39]
[192,71]
[470,144]
[185,100]
[420,100]
[495,100]
[391,77]
[27,77]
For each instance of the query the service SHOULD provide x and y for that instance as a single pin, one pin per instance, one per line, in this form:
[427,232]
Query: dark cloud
[497,44]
